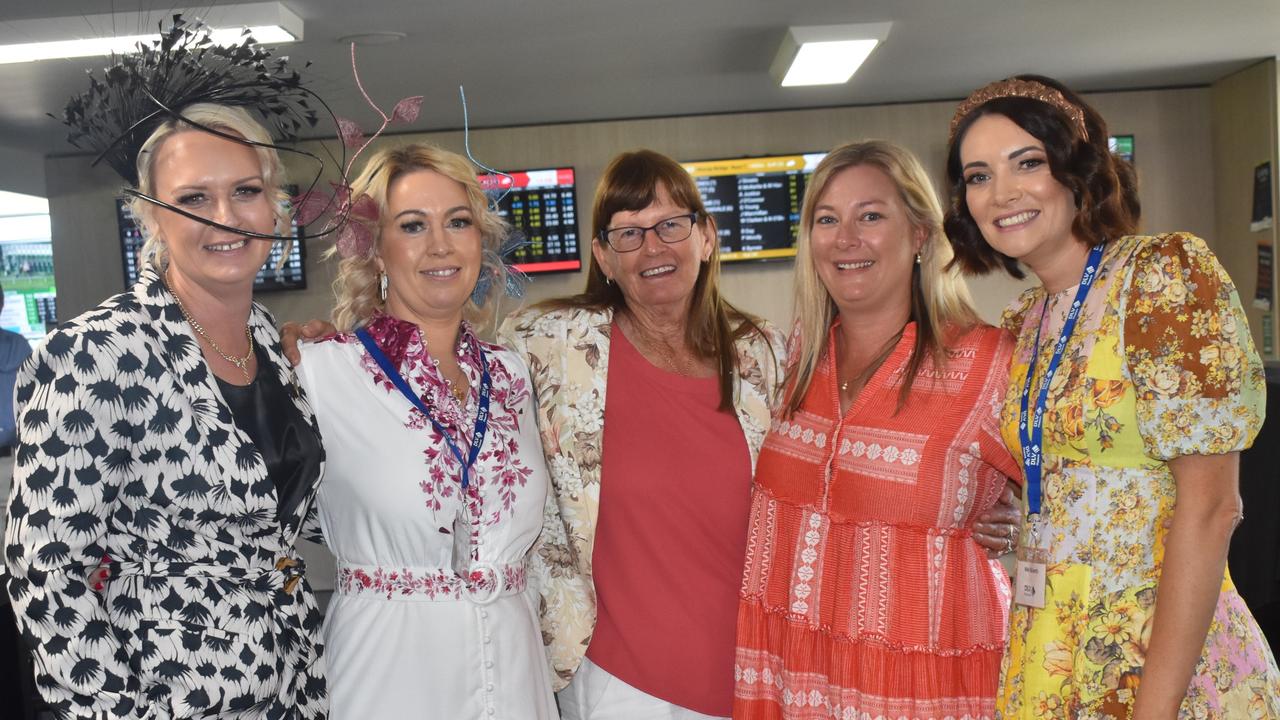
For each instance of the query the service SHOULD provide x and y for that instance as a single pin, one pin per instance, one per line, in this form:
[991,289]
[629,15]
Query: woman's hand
[997,528]
[292,332]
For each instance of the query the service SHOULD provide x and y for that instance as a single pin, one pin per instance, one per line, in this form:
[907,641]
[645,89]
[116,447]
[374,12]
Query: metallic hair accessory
[1015,87]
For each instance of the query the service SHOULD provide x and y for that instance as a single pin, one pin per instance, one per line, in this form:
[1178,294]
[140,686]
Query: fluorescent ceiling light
[48,38]
[825,54]
[90,47]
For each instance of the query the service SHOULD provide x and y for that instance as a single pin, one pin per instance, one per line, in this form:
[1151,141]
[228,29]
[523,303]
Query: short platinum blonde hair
[356,287]
[223,118]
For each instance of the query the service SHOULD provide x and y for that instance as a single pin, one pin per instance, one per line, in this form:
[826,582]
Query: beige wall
[1173,153]
[1244,109]
[22,172]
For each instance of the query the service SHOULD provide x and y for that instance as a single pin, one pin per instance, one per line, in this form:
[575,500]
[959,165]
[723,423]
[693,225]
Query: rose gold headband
[1014,87]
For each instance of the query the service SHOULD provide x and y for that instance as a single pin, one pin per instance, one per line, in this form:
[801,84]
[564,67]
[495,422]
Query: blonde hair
[356,287]
[223,118]
[940,300]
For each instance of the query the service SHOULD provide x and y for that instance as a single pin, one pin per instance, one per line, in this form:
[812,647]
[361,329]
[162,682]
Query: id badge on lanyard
[1032,565]
[1033,551]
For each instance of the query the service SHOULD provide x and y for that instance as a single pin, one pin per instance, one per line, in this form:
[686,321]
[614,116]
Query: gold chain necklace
[241,363]
[873,366]
[459,393]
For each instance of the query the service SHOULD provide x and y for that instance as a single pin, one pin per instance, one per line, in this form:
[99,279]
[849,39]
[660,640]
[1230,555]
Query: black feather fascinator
[117,114]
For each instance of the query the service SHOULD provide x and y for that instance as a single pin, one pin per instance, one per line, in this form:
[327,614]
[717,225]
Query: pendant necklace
[241,363]
[871,367]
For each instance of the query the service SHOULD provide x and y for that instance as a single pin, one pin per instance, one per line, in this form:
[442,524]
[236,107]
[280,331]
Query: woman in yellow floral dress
[1153,388]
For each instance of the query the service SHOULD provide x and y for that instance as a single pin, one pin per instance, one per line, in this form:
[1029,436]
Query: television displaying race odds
[756,202]
[542,205]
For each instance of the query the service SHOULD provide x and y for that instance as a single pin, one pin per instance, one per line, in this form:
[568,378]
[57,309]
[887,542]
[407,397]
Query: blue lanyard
[1032,455]
[482,415]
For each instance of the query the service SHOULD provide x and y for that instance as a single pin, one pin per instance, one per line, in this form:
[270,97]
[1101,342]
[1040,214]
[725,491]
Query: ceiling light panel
[825,54]
[100,35]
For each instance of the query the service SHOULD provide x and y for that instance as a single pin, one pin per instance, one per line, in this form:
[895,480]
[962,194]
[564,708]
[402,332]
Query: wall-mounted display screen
[541,204]
[756,202]
[292,275]
[30,297]
[1121,146]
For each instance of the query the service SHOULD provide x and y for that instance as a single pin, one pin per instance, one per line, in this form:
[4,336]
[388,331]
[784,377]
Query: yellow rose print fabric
[1161,365]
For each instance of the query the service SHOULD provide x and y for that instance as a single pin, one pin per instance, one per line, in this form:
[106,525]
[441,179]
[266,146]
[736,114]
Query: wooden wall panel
[1244,136]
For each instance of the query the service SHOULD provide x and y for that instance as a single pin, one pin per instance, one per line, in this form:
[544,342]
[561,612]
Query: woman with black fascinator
[162,434]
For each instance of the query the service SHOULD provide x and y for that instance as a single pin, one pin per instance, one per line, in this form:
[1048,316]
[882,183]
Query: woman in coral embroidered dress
[865,594]
[431,616]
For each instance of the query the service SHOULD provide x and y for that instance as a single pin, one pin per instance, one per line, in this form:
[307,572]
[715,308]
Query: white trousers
[594,694]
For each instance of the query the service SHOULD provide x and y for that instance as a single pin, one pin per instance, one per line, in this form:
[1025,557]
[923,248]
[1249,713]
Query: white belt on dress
[485,583]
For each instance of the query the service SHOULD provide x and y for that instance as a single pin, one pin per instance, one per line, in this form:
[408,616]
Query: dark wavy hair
[1105,187]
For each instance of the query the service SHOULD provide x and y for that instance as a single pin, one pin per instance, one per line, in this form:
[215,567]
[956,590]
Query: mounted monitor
[756,202]
[1121,146]
[542,204]
[290,276]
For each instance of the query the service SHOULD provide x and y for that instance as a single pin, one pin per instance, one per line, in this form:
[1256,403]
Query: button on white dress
[406,637]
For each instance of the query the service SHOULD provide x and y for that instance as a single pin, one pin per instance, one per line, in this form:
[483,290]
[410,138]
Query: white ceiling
[543,61]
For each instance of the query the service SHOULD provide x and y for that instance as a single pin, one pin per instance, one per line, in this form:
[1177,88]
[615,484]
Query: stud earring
[382,286]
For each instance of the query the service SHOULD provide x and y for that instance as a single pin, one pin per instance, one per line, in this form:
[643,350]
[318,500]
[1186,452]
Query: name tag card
[1028,586]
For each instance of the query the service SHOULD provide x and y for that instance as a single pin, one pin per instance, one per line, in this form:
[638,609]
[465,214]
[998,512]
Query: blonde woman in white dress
[433,494]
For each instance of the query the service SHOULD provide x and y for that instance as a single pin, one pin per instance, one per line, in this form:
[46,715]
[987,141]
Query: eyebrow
[204,186]
[862,204]
[450,211]
[1012,156]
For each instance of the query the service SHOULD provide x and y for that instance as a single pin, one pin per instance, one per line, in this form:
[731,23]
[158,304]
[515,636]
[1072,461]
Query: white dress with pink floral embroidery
[406,636]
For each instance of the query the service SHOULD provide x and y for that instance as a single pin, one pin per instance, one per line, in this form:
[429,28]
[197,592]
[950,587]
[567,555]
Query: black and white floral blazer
[127,451]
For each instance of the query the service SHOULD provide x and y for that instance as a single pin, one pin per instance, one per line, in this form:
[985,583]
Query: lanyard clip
[1036,524]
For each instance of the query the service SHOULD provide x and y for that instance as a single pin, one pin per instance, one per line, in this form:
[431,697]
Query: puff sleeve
[1199,382]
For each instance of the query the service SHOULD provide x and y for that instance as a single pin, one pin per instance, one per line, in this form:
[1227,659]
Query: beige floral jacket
[568,356]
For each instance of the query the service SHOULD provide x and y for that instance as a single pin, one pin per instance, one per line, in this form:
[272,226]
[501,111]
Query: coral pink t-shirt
[671,534]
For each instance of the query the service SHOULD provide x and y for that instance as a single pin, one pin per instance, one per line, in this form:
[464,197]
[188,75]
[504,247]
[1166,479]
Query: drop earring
[382,286]
[917,258]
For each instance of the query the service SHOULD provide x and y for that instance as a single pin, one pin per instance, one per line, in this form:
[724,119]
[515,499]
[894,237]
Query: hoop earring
[608,280]
[382,286]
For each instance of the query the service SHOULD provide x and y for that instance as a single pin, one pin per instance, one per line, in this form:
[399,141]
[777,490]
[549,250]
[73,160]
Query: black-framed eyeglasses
[630,238]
